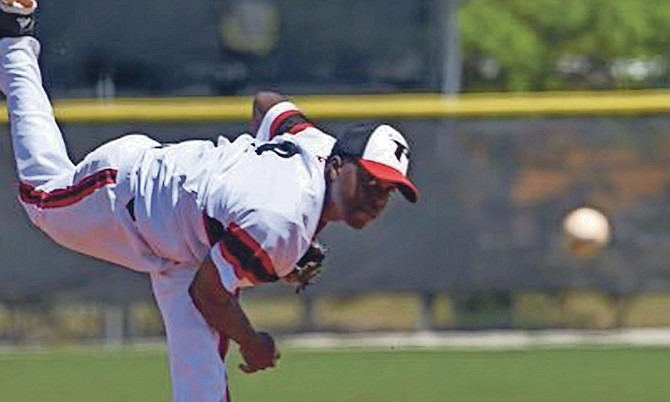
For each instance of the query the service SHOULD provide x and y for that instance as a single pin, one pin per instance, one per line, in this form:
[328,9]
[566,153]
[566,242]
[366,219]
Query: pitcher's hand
[259,354]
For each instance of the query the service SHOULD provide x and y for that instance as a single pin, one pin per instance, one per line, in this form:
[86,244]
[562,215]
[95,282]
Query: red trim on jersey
[253,245]
[64,197]
[237,267]
[280,119]
[299,127]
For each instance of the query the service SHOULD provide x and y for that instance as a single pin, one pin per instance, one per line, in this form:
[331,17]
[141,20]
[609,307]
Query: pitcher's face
[359,196]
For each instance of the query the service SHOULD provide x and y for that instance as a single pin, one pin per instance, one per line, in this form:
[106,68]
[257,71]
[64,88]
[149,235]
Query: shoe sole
[19,7]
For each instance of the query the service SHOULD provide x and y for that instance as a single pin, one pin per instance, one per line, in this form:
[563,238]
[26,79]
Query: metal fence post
[426,314]
[115,322]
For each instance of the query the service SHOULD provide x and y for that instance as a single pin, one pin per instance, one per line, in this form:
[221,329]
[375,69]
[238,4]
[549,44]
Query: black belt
[130,207]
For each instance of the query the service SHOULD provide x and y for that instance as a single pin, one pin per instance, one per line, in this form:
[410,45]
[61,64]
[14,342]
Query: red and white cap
[382,151]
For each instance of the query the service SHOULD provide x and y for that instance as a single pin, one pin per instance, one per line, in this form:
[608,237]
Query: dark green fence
[493,195]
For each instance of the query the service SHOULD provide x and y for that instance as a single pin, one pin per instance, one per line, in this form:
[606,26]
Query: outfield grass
[536,375]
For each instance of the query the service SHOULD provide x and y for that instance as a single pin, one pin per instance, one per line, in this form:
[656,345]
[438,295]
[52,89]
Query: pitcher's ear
[334,166]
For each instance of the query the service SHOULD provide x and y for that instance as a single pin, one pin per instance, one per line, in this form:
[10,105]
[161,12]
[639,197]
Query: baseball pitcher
[204,220]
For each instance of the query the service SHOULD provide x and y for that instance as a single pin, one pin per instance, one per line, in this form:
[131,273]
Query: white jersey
[253,204]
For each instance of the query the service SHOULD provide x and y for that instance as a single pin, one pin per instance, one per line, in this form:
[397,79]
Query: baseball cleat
[17,18]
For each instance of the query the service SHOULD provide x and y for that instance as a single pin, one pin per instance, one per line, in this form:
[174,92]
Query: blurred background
[482,250]
[226,47]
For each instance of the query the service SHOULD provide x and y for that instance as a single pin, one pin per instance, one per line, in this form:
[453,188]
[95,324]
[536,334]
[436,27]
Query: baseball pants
[84,207]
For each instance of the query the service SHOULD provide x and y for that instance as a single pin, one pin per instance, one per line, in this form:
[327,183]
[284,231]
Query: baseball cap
[382,151]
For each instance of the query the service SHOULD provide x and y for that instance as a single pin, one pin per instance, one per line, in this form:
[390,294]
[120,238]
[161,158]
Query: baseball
[586,231]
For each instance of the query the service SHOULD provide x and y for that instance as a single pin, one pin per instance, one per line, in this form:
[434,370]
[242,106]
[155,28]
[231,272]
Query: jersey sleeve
[261,248]
[282,118]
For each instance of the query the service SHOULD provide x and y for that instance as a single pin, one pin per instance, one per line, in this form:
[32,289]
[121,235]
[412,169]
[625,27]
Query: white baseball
[586,231]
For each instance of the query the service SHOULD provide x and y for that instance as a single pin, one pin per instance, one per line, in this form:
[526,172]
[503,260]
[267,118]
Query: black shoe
[17,18]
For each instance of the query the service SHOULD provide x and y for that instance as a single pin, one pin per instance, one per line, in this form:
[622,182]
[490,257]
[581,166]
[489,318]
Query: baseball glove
[308,267]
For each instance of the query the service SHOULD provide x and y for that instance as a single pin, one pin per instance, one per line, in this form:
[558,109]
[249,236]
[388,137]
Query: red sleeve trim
[291,121]
[299,127]
[254,246]
[279,120]
[235,263]
[248,259]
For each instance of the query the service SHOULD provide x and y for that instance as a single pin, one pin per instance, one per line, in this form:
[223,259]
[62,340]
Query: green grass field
[356,375]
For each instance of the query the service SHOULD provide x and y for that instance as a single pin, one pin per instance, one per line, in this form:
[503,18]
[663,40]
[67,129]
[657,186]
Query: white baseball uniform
[252,204]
